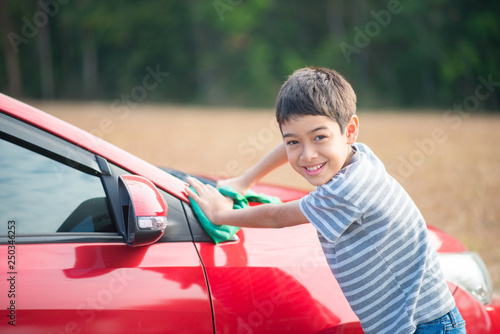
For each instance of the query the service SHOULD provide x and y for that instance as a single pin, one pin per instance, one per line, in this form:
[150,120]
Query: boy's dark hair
[316,91]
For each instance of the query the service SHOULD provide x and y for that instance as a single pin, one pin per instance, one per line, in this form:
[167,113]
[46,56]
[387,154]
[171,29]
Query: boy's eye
[320,137]
[291,142]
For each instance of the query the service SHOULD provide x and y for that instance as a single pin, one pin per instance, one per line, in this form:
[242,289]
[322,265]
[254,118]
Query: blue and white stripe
[376,244]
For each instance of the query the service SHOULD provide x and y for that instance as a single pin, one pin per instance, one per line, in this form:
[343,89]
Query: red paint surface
[142,190]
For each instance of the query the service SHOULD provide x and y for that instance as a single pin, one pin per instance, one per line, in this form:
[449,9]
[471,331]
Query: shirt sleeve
[330,208]
[330,214]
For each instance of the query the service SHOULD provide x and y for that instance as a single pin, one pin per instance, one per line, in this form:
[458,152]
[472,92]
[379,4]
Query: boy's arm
[219,211]
[272,160]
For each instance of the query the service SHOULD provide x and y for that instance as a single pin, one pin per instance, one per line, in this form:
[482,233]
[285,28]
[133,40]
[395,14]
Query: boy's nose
[308,154]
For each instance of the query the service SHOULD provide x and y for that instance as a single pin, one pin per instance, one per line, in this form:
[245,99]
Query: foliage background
[416,54]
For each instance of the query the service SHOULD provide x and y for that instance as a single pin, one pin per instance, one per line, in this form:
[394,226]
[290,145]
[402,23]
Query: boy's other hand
[239,183]
[210,200]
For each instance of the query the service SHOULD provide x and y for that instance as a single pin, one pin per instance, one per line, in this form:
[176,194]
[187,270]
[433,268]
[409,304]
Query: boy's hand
[210,200]
[239,183]
[275,158]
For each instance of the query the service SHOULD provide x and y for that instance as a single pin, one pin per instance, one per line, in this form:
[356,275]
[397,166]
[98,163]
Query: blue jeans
[450,323]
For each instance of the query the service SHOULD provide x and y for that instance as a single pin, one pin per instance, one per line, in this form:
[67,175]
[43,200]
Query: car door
[66,267]
[272,281]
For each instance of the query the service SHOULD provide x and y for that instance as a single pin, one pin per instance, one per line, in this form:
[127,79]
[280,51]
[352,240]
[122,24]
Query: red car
[86,248]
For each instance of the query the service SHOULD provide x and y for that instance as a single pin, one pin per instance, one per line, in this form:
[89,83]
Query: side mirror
[144,210]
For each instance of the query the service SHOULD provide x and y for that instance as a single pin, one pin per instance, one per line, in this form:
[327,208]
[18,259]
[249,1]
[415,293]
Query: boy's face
[316,147]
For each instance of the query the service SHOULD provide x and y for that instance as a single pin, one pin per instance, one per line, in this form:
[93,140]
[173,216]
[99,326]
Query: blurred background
[410,54]
[191,85]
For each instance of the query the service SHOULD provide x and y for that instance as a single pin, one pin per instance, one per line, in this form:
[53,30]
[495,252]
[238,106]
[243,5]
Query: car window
[45,196]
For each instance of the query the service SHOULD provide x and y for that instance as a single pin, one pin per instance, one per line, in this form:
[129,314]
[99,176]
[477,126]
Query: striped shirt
[376,244]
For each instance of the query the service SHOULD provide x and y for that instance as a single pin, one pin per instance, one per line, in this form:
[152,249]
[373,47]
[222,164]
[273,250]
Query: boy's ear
[352,130]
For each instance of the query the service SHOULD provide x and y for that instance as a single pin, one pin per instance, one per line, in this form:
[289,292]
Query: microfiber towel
[220,233]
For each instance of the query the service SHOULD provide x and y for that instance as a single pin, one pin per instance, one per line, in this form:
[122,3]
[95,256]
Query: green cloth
[220,233]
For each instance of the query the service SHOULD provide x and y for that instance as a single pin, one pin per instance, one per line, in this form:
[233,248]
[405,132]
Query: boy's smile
[316,147]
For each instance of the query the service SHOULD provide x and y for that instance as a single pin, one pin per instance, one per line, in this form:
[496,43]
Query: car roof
[79,137]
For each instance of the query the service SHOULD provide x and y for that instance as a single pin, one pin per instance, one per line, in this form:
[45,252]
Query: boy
[373,236]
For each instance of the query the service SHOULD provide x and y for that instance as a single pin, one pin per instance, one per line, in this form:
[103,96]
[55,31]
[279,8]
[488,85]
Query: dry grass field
[449,163]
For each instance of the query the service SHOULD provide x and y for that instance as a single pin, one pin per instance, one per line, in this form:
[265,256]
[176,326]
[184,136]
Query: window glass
[46,196]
